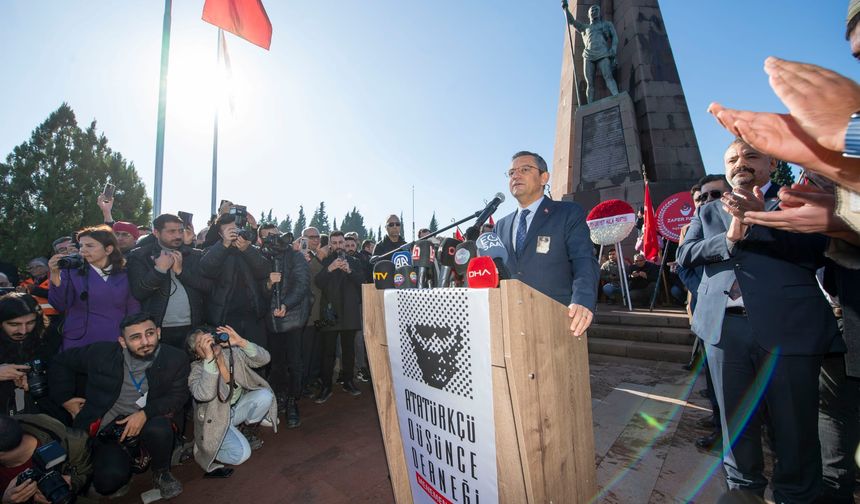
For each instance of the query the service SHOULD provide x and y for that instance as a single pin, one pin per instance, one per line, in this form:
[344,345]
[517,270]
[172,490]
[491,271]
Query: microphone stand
[409,245]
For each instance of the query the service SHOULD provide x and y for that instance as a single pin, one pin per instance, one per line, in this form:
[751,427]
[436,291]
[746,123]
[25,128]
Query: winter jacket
[343,292]
[222,265]
[152,288]
[104,367]
[295,288]
[211,415]
[75,443]
[22,352]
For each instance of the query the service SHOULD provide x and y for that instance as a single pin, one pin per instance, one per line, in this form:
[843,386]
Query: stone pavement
[644,417]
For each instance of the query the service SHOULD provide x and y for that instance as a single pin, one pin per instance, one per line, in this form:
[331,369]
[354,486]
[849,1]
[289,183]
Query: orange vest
[47,309]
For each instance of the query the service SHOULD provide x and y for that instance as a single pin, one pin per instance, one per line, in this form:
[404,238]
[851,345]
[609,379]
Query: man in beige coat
[227,394]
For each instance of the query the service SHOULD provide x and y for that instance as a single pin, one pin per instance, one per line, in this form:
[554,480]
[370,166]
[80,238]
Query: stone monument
[602,143]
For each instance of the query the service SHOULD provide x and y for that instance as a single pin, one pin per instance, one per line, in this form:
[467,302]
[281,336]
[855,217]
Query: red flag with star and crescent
[243,18]
[650,244]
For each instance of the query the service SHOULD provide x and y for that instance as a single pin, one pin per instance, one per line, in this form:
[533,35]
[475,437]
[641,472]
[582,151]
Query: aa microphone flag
[244,18]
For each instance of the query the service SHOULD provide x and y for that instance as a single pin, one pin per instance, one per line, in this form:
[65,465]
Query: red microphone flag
[650,245]
[482,273]
[244,18]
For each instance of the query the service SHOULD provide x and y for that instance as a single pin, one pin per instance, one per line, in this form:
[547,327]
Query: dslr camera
[276,244]
[220,338]
[114,431]
[74,261]
[241,214]
[45,460]
[37,378]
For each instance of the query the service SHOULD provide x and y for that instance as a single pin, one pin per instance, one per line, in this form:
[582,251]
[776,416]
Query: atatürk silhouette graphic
[436,348]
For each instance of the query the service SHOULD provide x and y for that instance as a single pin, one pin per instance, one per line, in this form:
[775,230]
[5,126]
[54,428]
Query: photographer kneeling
[30,446]
[227,394]
[134,388]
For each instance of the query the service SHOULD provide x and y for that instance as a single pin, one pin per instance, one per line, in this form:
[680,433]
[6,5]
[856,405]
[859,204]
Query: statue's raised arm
[572,20]
[600,43]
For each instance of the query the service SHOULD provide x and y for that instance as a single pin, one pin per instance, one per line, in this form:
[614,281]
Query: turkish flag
[459,235]
[650,246]
[244,18]
[492,222]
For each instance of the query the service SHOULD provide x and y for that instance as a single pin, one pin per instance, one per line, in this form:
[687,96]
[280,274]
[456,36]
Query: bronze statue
[600,42]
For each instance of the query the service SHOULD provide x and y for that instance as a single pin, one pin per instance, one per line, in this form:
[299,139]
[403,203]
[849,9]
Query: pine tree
[301,222]
[379,233]
[286,225]
[782,175]
[49,185]
[334,224]
[353,221]
[434,224]
[319,219]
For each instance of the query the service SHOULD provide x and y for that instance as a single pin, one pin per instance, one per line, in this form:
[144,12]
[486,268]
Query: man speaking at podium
[548,242]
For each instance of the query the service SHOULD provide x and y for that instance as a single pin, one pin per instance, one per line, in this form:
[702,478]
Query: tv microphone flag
[462,255]
[403,277]
[445,256]
[383,275]
[489,244]
[401,258]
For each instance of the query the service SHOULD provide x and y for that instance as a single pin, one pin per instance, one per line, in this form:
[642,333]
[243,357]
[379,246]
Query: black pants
[285,375]
[838,429]
[748,379]
[347,355]
[175,336]
[311,350]
[112,462]
[249,327]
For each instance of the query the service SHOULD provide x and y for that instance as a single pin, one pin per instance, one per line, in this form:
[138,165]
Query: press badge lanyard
[137,384]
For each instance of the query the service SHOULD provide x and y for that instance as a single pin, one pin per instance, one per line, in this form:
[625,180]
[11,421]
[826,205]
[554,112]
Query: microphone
[423,257]
[475,229]
[404,277]
[464,253]
[489,244]
[447,250]
[504,272]
[383,275]
[401,258]
[482,273]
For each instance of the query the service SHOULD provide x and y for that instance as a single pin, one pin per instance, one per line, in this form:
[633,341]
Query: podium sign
[439,349]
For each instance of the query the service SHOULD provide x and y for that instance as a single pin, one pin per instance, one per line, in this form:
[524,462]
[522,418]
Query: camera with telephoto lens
[276,244]
[74,261]
[50,482]
[220,338]
[37,378]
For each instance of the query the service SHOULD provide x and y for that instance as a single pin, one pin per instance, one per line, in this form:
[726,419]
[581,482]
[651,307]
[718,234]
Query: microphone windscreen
[504,272]
[401,258]
[383,275]
[405,278]
[489,244]
[462,255]
[447,249]
[423,255]
[482,273]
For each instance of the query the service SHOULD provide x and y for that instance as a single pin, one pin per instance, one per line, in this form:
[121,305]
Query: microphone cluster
[476,263]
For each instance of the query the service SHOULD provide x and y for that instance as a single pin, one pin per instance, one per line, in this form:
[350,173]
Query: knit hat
[853,9]
[128,227]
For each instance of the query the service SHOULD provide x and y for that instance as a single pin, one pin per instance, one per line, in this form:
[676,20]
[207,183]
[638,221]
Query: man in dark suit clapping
[548,242]
[766,326]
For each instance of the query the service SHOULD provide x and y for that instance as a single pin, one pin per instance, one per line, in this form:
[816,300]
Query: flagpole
[162,109]
[213,209]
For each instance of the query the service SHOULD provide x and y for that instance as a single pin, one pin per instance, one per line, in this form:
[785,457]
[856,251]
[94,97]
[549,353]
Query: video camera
[50,482]
[276,244]
[241,214]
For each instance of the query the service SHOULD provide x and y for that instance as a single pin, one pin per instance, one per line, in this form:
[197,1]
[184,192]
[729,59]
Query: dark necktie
[521,231]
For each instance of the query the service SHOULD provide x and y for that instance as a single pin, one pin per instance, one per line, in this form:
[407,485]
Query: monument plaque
[604,152]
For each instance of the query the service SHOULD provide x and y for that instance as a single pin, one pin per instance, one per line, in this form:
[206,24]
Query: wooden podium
[541,397]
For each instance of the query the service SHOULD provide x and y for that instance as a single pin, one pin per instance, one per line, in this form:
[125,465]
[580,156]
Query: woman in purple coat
[94,297]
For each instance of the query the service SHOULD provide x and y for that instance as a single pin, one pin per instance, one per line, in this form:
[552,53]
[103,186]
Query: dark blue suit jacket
[776,273]
[568,270]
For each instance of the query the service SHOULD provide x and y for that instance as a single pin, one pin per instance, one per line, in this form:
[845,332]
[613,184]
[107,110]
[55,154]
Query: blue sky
[358,101]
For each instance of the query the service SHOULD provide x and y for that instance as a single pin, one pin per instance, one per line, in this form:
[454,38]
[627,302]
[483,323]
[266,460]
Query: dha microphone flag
[401,258]
[482,273]
[462,255]
[489,244]
[447,250]
[383,275]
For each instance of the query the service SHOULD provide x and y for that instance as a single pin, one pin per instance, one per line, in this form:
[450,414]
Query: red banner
[432,492]
[675,212]
[245,18]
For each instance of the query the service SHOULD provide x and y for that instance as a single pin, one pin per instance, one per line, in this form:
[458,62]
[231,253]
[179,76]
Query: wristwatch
[852,137]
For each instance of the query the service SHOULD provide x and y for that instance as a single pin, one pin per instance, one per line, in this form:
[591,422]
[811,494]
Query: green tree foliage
[319,219]
[49,185]
[379,234]
[301,222]
[782,175]
[434,224]
[354,221]
[334,224]
[286,225]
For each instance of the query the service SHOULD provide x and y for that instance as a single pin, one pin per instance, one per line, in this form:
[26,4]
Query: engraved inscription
[604,153]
